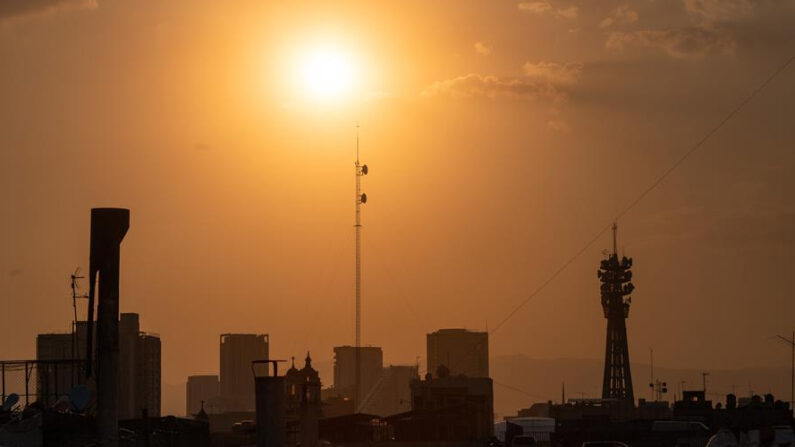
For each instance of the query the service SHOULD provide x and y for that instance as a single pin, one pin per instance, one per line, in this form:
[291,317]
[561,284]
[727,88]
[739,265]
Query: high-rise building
[237,380]
[139,369]
[55,380]
[447,408]
[391,394]
[148,379]
[461,351]
[200,389]
[372,365]
[139,366]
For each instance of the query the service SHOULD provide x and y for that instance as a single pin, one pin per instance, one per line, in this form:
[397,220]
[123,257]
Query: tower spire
[615,276]
[615,238]
[361,199]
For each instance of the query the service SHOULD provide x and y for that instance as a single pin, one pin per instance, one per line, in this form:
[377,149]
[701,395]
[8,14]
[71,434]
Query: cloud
[538,7]
[568,13]
[553,73]
[16,9]
[558,125]
[620,16]
[676,42]
[719,10]
[541,80]
[488,86]
[544,7]
[482,49]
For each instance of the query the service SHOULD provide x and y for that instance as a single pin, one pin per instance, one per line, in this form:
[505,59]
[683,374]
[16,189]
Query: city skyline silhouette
[502,140]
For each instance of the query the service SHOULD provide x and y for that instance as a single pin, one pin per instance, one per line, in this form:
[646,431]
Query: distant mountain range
[520,381]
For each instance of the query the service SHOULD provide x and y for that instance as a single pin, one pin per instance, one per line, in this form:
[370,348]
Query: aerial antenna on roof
[361,198]
[615,238]
[75,295]
[75,287]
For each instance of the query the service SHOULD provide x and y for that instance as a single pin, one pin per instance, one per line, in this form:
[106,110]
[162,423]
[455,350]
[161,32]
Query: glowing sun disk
[326,73]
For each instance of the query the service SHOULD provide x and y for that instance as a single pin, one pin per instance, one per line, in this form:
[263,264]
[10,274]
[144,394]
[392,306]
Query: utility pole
[361,199]
[704,383]
[75,295]
[791,343]
[651,382]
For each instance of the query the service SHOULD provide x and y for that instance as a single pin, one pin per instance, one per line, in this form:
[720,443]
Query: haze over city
[500,141]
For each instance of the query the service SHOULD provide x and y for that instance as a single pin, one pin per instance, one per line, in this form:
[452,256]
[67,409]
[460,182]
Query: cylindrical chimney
[310,412]
[270,396]
[108,228]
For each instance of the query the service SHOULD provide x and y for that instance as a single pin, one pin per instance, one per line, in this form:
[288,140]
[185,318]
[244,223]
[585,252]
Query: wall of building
[53,381]
[148,379]
[139,366]
[461,351]
[236,378]
[392,392]
[372,365]
[198,389]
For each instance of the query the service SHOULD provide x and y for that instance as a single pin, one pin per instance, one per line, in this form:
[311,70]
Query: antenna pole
[615,238]
[74,285]
[651,384]
[791,343]
[360,199]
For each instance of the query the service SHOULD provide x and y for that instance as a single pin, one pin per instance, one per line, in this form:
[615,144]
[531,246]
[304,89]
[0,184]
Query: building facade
[302,403]
[372,365]
[236,379]
[391,394]
[148,374]
[461,351]
[200,389]
[139,369]
[447,408]
[139,366]
[56,379]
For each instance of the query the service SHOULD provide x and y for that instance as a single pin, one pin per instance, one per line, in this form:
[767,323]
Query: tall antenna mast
[791,343]
[615,277]
[361,199]
[74,277]
[75,295]
[615,238]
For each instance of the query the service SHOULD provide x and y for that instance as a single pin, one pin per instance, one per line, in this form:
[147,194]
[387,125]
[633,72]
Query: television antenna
[75,286]
[361,199]
[791,343]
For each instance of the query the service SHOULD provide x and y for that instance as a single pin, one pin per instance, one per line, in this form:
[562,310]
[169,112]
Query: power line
[699,144]
[519,390]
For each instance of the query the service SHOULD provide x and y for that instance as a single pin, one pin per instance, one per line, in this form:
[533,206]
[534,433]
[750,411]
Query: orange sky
[501,136]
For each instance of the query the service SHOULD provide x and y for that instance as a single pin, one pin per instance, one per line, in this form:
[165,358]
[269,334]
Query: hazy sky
[501,137]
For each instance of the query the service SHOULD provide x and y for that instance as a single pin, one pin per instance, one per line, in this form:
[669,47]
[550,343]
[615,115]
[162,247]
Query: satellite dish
[61,405]
[365,170]
[363,198]
[79,398]
[11,401]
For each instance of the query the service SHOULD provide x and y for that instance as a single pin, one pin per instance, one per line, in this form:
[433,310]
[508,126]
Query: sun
[326,73]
